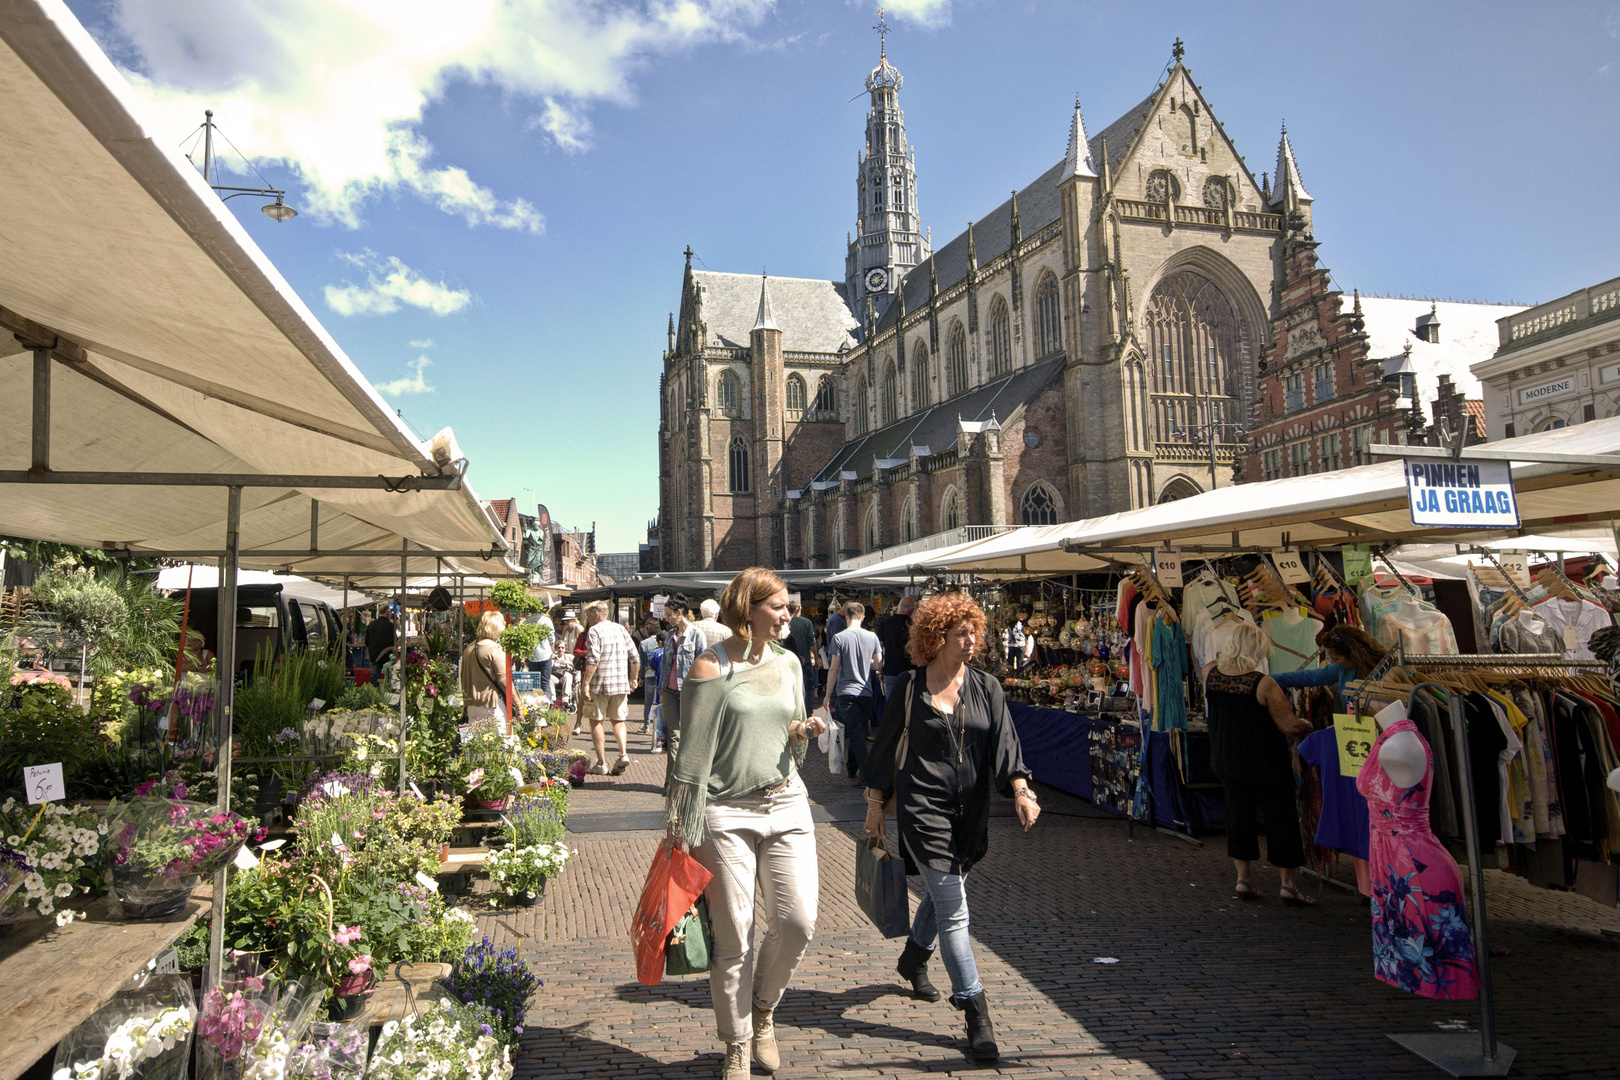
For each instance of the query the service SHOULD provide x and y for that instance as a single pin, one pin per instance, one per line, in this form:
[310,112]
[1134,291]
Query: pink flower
[360,964]
[347,935]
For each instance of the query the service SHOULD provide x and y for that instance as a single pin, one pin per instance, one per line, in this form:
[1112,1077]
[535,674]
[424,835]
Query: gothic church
[1087,346]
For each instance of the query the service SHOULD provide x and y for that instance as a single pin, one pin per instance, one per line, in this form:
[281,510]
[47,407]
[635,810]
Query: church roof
[813,315]
[936,428]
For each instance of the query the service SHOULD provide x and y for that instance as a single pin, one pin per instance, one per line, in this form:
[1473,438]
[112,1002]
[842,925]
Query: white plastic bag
[835,748]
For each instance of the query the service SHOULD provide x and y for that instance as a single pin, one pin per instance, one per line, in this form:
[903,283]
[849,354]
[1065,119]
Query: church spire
[1078,161]
[765,320]
[1288,189]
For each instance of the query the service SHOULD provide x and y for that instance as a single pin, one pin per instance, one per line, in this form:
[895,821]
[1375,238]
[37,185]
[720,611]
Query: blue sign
[1461,494]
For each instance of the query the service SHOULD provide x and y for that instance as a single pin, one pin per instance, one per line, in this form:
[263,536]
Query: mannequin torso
[1403,755]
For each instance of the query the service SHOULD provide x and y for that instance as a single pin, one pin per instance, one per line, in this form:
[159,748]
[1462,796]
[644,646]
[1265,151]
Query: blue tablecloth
[1058,749]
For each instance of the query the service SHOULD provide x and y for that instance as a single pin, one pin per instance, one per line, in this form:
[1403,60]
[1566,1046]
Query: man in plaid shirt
[612,670]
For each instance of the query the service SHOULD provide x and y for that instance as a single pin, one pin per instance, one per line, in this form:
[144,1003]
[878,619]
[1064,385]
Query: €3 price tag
[1355,736]
[1289,568]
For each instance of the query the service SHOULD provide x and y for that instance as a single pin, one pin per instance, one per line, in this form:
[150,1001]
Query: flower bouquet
[250,1024]
[449,1041]
[331,1052]
[58,851]
[143,1031]
[162,846]
[521,872]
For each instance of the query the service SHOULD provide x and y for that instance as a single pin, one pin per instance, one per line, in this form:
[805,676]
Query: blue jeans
[544,668]
[855,713]
[943,915]
[888,685]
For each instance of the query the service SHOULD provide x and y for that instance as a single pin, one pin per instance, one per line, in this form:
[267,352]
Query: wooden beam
[35,335]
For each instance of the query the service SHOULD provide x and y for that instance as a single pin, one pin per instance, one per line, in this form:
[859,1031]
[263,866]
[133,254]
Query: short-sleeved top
[608,645]
[1245,744]
[855,649]
[835,626]
[1344,822]
[894,633]
[380,635]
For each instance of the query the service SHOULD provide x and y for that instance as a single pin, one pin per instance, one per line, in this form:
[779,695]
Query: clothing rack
[1452,1051]
[1411,588]
[1523,596]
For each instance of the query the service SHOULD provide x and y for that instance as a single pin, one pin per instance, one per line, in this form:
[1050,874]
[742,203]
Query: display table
[391,1001]
[52,980]
[1100,760]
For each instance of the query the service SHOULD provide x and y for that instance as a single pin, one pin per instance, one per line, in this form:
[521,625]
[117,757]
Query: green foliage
[441,937]
[519,639]
[192,947]
[150,634]
[279,693]
[40,724]
[513,599]
[536,819]
[361,697]
[382,910]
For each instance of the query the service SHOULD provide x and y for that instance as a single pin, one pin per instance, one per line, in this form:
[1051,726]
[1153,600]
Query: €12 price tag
[44,782]
[1355,736]
[1289,568]
[1516,566]
[1167,564]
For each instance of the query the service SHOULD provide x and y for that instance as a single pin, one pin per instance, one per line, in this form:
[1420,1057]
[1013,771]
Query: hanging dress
[1421,939]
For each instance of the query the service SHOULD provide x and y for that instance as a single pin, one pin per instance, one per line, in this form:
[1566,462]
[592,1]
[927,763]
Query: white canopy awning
[176,578]
[176,348]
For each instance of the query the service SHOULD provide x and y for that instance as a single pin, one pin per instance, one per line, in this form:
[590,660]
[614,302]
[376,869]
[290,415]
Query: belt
[773,789]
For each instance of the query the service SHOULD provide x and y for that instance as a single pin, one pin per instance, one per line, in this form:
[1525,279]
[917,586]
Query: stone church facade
[1067,355]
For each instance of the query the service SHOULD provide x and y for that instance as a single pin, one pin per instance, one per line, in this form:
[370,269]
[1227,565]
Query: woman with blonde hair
[946,743]
[1250,723]
[483,671]
[735,797]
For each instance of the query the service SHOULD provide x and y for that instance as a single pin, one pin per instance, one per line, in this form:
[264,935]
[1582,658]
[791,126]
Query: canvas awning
[166,359]
[177,578]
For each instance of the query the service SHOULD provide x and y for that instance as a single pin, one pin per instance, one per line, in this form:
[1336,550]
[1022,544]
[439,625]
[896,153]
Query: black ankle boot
[981,1035]
[913,966]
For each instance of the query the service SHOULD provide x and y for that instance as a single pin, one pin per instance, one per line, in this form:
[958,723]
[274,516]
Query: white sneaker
[599,769]
[622,764]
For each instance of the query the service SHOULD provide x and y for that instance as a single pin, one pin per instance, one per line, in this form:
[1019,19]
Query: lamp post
[1208,432]
[277,211]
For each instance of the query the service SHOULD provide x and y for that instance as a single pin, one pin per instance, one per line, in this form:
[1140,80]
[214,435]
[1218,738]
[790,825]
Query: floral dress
[1421,939]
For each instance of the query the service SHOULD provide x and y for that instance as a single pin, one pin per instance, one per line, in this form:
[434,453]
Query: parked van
[267,618]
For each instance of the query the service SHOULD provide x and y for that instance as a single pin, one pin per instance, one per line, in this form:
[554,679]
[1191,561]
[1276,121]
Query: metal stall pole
[225,702]
[399,657]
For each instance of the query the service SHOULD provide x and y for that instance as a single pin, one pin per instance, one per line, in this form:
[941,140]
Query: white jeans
[771,840]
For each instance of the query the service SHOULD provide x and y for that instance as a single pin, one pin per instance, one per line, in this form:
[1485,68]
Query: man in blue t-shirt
[851,665]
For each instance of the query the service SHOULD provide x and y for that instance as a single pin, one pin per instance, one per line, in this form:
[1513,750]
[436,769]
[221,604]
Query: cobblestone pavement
[1204,986]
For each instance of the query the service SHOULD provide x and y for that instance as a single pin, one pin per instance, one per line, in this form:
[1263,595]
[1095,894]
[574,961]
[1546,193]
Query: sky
[494,194]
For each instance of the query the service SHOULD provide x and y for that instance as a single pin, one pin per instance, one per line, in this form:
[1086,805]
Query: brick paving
[1205,986]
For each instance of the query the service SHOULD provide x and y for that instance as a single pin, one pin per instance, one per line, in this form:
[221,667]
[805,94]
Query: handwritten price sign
[44,782]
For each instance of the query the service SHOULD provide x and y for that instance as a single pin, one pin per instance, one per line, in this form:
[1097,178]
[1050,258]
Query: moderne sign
[1533,394]
[1461,494]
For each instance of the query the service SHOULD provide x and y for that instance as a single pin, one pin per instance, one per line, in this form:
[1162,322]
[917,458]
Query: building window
[1294,391]
[891,395]
[1000,339]
[862,420]
[1271,465]
[826,396]
[1363,441]
[1509,432]
[957,366]
[908,520]
[1161,187]
[739,464]
[1048,316]
[919,378]
[871,530]
[950,511]
[1169,365]
[1299,458]
[1216,193]
[725,392]
[1324,382]
[1408,385]
[1039,506]
[795,394]
[1214,367]
[1329,452]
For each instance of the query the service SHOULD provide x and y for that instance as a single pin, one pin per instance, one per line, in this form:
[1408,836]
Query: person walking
[835,626]
[612,670]
[946,743]
[736,798]
[850,698]
[647,643]
[1349,651]
[893,634]
[540,658]
[709,625]
[380,639]
[483,671]
[681,648]
[801,638]
[1250,723]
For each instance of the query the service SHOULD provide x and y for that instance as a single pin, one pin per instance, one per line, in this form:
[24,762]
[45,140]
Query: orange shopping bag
[674,882]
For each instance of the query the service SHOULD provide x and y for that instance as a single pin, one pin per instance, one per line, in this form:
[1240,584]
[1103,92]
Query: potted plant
[445,1039]
[521,872]
[491,767]
[161,847]
[58,852]
[497,980]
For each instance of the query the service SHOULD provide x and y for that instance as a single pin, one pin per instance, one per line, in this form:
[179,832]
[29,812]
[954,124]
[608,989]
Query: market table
[391,1001]
[52,980]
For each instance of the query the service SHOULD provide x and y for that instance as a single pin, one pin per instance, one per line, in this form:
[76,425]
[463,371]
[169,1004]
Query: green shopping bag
[691,943]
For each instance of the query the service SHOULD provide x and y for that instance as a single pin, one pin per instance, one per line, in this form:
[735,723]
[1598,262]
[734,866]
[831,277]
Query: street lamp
[276,211]
[1208,433]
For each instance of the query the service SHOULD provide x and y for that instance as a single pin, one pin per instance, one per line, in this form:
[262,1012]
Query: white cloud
[410,384]
[390,283]
[929,13]
[424,343]
[335,90]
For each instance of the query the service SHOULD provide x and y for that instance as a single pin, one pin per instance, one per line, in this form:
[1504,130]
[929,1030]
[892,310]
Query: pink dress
[1421,939]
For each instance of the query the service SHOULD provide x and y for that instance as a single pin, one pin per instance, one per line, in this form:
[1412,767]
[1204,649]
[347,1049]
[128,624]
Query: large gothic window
[1162,187]
[891,395]
[908,520]
[950,511]
[826,397]
[738,460]
[870,531]
[919,378]
[1196,343]
[1048,316]
[861,405]
[1039,506]
[725,392]
[795,394]
[1000,339]
[1217,193]
[957,356]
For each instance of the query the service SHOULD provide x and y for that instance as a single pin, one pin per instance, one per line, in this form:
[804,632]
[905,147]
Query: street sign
[1461,494]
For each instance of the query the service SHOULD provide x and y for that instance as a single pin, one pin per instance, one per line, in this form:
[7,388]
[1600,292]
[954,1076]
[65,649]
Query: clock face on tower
[876,280]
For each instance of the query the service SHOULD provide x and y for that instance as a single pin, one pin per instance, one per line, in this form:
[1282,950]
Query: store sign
[1167,564]
[1289,567]
[1532,395]
[1461,494]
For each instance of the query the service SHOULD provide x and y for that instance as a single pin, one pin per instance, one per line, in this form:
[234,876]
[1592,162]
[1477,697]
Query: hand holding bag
[675,881]
[691,944]
[880,887]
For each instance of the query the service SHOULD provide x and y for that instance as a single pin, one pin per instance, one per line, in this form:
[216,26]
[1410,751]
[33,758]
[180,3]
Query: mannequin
[1614,778]
[1403,755]
[1530,622]
[1292,616]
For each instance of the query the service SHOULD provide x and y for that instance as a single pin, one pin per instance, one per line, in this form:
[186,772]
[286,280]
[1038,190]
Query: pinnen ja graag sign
[1461,494]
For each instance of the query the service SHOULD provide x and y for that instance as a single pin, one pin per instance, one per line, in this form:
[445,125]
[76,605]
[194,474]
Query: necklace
[958,741]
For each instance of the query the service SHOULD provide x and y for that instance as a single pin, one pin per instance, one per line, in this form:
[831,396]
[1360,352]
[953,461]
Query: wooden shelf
[391,1002]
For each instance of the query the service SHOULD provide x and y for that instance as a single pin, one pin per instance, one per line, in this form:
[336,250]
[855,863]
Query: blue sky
[504,187]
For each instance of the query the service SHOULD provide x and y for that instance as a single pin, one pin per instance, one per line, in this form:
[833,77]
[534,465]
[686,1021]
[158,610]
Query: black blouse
[952,764]
[1245,744]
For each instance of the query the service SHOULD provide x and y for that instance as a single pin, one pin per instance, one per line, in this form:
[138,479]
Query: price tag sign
[1571,643]
[1167,564]
[426,882]
[1357,562]
[1355,736]
[167,963]
[317,704]
[1517,567]
[393,699]
[44,782]
[658,603]
[1289,567]
[245,860]
[417,791]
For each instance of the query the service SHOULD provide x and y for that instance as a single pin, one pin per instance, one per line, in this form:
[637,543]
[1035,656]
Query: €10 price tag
[1167,564]
[1289,567]
[1355,736]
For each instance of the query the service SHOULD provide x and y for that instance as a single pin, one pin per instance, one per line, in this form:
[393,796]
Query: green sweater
[734,736]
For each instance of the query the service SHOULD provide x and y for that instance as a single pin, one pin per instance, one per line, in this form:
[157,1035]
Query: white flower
[63,889]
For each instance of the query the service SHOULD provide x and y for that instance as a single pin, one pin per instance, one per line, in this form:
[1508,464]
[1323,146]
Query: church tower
[889,240]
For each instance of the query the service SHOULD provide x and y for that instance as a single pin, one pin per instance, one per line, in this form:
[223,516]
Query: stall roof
[176,578]
[178,349]
[1365,505]
[1023,552]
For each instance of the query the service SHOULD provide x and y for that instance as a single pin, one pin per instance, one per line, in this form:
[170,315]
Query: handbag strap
[904,744]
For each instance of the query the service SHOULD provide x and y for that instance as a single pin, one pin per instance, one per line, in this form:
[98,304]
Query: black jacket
[942,792]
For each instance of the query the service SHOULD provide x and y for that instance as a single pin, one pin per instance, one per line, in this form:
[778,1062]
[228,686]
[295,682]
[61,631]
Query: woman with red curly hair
[946,743]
